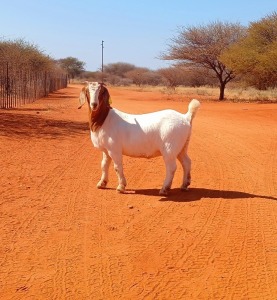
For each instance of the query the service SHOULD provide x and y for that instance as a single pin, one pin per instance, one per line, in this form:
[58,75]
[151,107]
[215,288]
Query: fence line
[18,87]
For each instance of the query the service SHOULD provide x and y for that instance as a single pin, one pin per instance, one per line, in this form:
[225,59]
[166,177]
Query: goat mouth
[94,108]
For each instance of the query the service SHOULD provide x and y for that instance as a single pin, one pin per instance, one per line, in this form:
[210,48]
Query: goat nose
[94,105]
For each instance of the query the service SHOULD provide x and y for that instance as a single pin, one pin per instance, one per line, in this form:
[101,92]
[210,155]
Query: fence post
[45,78]
[23,86]
[7,87]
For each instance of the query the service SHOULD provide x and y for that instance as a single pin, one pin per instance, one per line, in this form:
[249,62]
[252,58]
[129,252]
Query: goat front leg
[105,164]
[118,166]
[171,166]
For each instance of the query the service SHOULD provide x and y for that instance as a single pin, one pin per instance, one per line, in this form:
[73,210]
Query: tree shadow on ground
[35,126]
[194,194]
[61,95]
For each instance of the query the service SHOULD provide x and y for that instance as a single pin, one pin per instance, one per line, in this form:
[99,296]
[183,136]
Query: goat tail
[192,109]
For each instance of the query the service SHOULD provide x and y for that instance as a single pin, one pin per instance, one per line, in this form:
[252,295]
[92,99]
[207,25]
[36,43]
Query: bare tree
[173,76]
[136,75]
[202,46]
[119,68]
[23,55]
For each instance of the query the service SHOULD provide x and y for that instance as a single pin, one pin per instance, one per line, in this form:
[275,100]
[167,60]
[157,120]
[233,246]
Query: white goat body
[146,135]
[165,133]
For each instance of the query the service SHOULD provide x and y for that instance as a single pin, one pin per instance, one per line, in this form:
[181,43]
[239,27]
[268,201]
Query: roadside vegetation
[22,55]
[238,62]
[220,59]
[27,74]
[209,93]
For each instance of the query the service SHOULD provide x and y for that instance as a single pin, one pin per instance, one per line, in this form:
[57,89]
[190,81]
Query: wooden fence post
[19,87]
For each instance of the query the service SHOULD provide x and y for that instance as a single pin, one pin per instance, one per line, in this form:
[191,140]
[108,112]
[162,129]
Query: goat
[163,133]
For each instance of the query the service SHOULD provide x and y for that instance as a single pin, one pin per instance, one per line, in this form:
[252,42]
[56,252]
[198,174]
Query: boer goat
[116,133]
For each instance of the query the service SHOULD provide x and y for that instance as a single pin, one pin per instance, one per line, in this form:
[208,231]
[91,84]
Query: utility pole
[102,68]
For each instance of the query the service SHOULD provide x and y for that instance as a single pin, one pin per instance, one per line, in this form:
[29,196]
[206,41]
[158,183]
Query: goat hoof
[121,189]
[184,188]
[102,184]
[163,192]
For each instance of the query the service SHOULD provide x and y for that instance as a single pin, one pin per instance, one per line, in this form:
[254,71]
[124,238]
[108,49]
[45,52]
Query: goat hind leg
[171,166]
[186,164]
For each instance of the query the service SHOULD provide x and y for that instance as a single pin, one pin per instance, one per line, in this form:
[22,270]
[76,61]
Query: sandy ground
[61,238]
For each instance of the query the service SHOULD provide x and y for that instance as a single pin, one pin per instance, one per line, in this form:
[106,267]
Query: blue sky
[135,32]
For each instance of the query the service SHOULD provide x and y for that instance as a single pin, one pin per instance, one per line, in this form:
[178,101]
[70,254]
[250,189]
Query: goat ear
[82,97]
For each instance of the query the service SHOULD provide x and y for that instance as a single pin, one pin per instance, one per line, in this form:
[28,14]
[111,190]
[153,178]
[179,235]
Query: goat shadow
[195,194]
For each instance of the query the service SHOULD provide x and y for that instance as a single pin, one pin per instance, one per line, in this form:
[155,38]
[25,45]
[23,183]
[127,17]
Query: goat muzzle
[94,107]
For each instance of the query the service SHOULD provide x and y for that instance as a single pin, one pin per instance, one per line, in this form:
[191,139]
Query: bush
[22,55]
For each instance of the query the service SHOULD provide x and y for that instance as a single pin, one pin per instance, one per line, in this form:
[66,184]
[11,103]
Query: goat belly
[141,153]
[141,148]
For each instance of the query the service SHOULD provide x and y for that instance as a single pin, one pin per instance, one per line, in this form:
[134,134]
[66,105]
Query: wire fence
[19,87]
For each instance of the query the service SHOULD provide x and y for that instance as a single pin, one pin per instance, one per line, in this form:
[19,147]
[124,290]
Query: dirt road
[61,238]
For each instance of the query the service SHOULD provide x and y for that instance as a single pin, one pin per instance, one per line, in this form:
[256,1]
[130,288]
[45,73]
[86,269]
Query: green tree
[255,56]
[202,46]
[72,66]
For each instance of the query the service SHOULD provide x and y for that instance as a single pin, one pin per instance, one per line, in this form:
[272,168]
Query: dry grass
[251,94]
[211,93]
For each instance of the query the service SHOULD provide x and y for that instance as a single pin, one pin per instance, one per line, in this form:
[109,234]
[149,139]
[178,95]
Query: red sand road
[61,238]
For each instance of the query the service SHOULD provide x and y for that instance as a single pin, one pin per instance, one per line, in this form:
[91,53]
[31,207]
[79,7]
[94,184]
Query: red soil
[61,238]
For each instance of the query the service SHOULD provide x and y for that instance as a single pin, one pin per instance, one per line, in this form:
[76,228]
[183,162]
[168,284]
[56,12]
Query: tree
[137,75]
[21,55]
[72,66]
[255,56]
[202,46]
[173,76]
[119,68]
